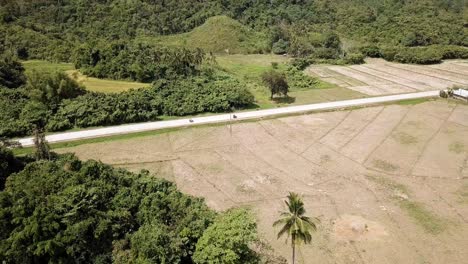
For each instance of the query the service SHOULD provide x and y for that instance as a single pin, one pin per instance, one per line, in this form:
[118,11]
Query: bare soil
[379,77]
[388,183]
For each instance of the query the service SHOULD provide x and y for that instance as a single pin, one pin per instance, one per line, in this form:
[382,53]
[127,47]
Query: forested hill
[50,28]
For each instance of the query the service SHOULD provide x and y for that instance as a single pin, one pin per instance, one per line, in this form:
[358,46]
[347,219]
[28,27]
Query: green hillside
[219,34]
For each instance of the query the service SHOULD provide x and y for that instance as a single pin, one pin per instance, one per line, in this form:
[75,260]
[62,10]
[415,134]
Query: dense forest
[52,29]
[63,210]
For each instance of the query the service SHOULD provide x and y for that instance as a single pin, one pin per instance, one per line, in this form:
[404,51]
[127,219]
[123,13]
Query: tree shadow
[284,100]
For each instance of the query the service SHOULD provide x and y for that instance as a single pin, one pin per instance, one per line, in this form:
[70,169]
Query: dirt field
[389,183]
[379,77]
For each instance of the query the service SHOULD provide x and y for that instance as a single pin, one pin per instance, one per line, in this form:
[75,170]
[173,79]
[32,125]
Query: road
[223,118]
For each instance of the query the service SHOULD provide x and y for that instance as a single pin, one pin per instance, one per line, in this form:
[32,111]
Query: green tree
[51,88]
[8,162]
[228,239]
[295,224]
[11,72]
[276,82]
[67,211]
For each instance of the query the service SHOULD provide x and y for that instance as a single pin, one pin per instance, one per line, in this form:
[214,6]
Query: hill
[219,34]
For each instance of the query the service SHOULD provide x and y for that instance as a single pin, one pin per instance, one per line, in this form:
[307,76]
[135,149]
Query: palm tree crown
[294,222]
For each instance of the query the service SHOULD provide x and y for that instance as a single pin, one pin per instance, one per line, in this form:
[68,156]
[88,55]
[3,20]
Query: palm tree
[295,224]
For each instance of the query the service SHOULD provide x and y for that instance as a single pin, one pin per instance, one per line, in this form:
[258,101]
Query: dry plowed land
[379,77]
[389,183]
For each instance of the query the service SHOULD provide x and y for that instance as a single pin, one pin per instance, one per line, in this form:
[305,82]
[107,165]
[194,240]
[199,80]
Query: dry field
[379,77]
[389,183]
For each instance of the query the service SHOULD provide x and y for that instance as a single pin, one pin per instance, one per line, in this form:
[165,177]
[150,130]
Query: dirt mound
[357,228]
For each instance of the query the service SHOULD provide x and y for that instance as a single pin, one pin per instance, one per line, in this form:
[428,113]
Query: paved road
[140,127]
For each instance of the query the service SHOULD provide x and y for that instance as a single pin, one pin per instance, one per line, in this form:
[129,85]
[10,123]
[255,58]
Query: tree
[8,162]
[295,224]
[51,88]
[64,210]
[42,147]
[276,82]
[228,239]
[11,72]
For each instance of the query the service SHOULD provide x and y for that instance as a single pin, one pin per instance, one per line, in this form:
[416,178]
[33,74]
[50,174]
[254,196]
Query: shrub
[298,80]
[371,51]
[355,58]
[280,47]
[443,94]
[229,239]
[389,53]
[419,55]
[454,52]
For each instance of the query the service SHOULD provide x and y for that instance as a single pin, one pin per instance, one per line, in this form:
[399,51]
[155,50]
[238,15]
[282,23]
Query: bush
[371,51]
[454,52]
[280,47]
[443,94]
[209,93]
[229,239]
[298,80]
[419,55]
[355,58]
[389,53]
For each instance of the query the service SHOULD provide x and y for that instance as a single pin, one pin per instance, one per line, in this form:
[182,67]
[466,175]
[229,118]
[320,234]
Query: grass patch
[385,165]
[104,85]
[249,68]
[219,34]
[404,138]
[462,194]
[46,66]
[414,101]
[91,84]
[381,180]
[457,147]
[431,223]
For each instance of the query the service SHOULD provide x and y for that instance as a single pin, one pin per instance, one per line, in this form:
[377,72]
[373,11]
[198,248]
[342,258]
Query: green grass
[91,84]
[249,68]
[384,181]
[414,101]
[219,34]
[430,222]
[384,165]
[405,138]
[457,147]
[46,66]
[105,85]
